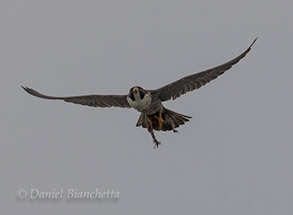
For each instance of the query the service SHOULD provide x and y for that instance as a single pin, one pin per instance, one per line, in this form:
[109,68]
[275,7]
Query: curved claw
[150,129]
[157,143]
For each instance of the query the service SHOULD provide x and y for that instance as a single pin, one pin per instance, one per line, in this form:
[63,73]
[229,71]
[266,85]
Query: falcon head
[136,93]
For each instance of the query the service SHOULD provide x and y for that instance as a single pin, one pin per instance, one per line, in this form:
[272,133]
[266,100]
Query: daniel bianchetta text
[69,193]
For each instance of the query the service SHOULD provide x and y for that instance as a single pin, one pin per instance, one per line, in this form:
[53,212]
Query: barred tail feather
[168,116]
[142,121]
[178,119]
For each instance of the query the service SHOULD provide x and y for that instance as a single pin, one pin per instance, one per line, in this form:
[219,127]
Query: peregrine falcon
[154,116]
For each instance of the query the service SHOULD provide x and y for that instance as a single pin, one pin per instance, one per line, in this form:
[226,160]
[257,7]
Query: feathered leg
[172,123]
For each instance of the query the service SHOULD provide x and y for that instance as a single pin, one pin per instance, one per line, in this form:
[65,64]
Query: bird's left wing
[89,100]
[195,81]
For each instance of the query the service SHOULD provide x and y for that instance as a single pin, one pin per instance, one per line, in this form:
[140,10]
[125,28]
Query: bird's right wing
[89,100]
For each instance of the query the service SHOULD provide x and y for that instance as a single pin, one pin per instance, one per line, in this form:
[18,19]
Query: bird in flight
[154,116]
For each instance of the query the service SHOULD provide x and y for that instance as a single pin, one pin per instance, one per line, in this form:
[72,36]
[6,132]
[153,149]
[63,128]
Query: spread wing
[89,100]
[195,81]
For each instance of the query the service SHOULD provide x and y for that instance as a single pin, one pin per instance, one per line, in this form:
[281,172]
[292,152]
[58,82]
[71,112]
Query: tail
[142,121]
[168,116]
[178,119]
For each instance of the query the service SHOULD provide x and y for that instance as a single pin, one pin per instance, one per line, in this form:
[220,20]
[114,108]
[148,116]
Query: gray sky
[233,157]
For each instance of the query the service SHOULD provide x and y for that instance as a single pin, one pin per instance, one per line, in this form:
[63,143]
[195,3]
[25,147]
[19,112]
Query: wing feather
[89,100]
[195,81]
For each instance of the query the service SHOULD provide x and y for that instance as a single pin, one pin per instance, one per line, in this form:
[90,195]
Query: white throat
[137,97]
[140,104]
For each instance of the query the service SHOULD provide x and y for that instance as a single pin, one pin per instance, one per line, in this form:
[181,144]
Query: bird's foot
[150,129]
[160,121]
[157,143]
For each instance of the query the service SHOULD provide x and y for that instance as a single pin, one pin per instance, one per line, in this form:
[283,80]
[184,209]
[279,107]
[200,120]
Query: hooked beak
[135,90]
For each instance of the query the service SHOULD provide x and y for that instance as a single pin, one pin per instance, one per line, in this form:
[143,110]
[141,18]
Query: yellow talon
[160,120]
[150,120]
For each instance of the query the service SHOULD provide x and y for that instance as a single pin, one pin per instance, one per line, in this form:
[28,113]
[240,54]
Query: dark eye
[131,96]
[141,94]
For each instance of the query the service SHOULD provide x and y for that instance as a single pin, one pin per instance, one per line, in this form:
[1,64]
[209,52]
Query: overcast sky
[233,157]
